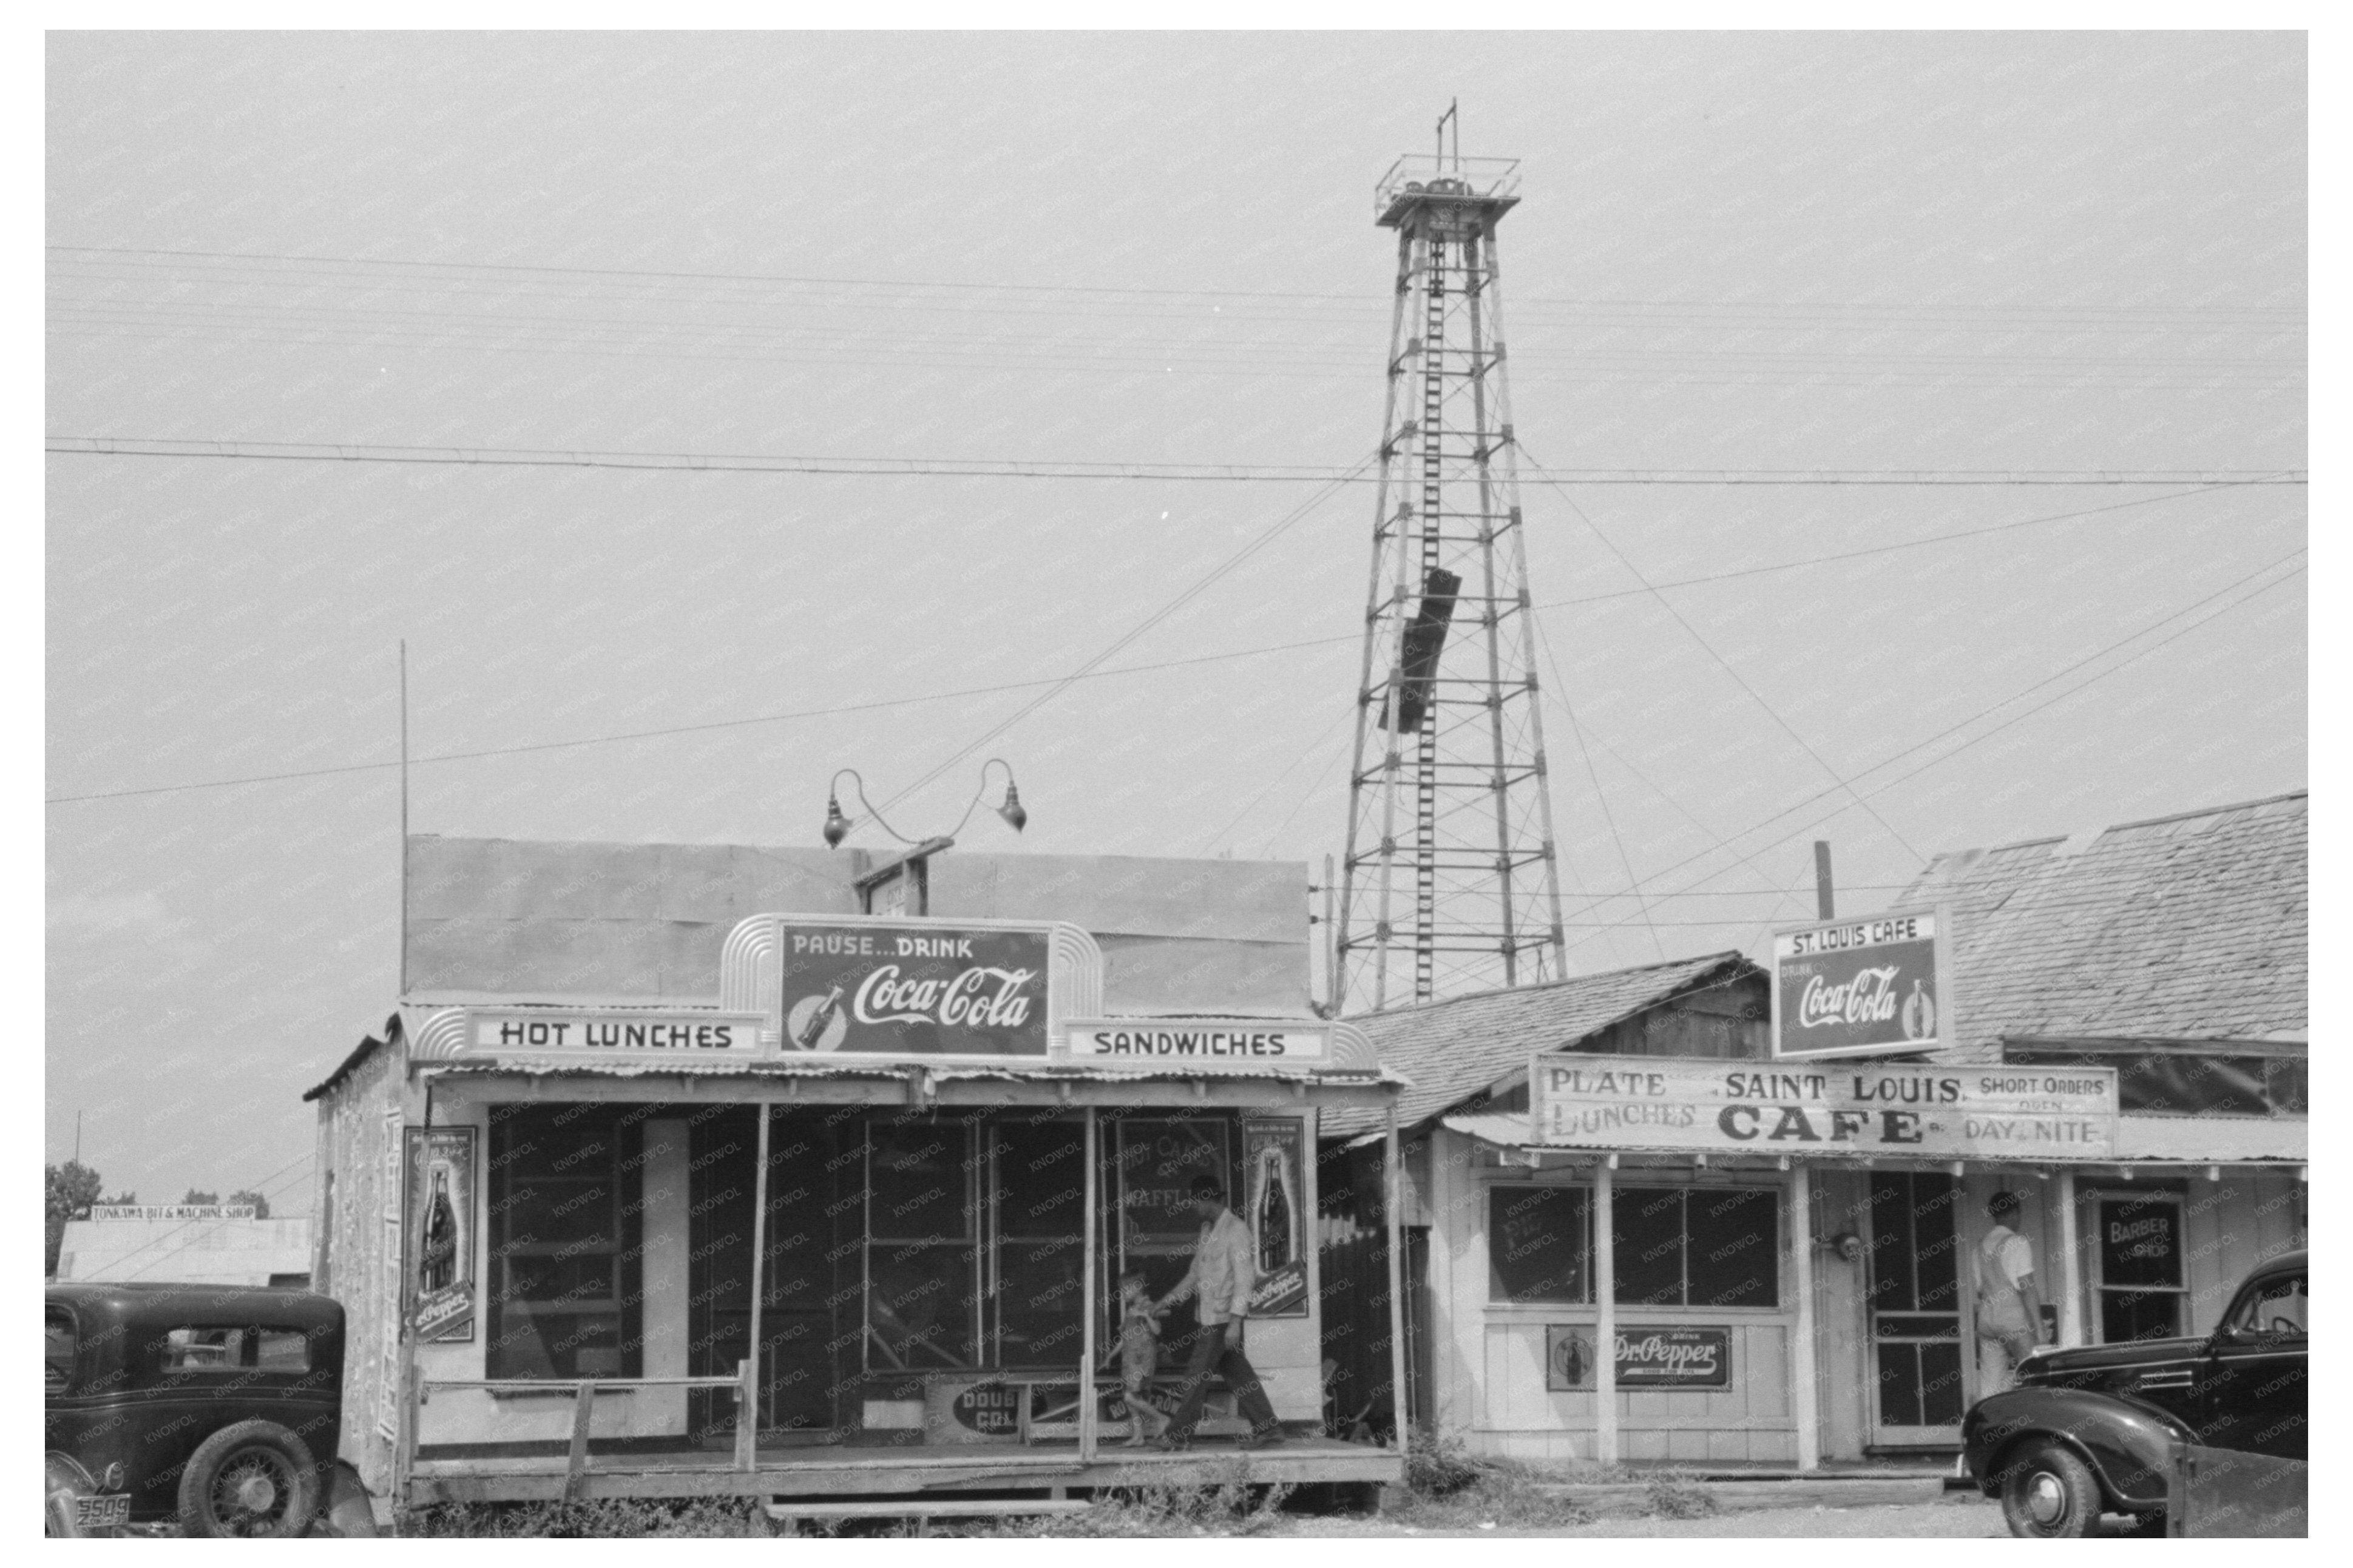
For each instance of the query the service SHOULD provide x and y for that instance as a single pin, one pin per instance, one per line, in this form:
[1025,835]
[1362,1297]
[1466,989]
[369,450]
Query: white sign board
[1237,1043]
[546,1030]
[1776,1108]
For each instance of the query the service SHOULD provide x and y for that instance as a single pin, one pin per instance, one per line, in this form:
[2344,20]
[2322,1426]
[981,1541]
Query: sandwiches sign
[1862,986]
[918,990]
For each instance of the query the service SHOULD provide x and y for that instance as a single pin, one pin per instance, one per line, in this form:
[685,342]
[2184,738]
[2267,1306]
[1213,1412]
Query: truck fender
[349,1512]
[2129,1445]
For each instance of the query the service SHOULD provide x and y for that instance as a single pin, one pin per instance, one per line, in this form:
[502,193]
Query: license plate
[99,1512]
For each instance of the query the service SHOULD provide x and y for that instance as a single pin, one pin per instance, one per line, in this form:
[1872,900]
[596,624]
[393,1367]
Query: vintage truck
[2195,1435]
[210,1408]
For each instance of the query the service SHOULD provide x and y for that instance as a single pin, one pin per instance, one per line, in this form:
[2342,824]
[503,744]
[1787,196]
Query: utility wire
[2028,313]
[1266,536]
[1898,756]
[1351,638]
[2204,479]
[1708,648]
[1609,818]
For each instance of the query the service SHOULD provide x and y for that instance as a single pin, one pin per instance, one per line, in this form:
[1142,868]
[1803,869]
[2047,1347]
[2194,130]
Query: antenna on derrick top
[1454,118]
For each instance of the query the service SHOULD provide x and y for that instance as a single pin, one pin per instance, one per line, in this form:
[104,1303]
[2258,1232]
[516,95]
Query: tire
[254,1479]
[2047,1493]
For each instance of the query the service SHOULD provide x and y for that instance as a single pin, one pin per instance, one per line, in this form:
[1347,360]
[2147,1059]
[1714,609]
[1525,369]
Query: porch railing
[583,1391]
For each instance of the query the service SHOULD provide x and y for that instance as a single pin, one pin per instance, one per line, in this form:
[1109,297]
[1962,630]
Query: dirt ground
[1957,1515]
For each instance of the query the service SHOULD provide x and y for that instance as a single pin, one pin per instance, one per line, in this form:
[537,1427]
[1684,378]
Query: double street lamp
[838,826]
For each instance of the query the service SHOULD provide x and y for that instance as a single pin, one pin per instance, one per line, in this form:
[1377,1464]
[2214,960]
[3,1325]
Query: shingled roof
[2180,928]
[1455,1048]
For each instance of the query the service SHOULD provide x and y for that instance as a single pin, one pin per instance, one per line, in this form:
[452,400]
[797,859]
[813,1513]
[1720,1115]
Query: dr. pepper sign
[1857,987]
[916,990]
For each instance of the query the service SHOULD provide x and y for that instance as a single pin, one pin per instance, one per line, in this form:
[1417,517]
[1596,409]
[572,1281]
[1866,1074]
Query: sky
[2016,255]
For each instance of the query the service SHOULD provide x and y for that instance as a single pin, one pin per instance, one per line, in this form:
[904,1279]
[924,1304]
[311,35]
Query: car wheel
[2047,1491]
[255,1478]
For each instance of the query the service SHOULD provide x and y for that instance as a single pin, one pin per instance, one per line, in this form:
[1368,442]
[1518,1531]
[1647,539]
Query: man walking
[2010,1306]
[1223,1272]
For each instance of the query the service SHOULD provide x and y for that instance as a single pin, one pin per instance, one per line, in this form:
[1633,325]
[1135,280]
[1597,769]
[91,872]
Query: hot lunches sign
[914,990]
[1828,1108]
[1859,987]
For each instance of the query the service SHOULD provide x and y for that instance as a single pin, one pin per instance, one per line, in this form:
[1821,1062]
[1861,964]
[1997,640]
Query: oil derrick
[1449,884]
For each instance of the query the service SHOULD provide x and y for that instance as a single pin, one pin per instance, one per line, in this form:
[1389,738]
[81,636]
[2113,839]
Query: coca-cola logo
[1868,998]
[979,998]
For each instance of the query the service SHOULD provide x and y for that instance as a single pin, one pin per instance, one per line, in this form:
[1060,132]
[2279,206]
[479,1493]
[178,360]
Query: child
[1139,1357]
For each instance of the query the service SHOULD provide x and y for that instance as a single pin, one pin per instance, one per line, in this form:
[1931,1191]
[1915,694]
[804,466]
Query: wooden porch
[1043,1469]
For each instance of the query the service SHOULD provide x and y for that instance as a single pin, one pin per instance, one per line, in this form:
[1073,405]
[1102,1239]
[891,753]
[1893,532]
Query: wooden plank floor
[876,1471]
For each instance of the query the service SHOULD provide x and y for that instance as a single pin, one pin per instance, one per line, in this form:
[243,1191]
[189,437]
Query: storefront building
[647,1190]
[1789,1278]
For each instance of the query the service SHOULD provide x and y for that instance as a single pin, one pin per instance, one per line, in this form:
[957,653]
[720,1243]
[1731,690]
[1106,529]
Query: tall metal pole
[1087,1268]
[748,1421]
[1605,1313]
[1825,904]
[1802,1348]
[1395,1207]
[404,817]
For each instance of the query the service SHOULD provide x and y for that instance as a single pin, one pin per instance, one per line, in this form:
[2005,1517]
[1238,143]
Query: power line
[1266,537]
[1011,467]
[1722,663]
[1899,755]
[668,730]
[1609,818]
[2030,311]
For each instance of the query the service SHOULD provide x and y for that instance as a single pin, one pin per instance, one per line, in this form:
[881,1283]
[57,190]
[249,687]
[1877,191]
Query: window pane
[1647,1224]
[1037,1301]
[1040,1177]
[62,1341]
[1735,1256]
[2140,1242]
[560,1214]
[204,1350]
[1536,1243]
[284,1349]
[920,1305]
[921,1177]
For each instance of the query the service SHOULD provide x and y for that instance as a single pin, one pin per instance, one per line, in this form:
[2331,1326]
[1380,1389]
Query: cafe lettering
[1655,1103]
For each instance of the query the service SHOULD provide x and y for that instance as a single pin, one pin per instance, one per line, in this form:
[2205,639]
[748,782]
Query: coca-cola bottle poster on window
[915,990]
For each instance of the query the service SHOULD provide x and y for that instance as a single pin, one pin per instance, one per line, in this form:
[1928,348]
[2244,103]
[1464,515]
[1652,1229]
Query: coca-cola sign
[917,989]
[1860,986]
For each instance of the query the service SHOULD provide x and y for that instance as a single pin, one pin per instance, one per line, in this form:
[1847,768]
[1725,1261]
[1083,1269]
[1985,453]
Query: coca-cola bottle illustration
[1919,1013]
[1277,1245]
[819,1020]
[436,1265]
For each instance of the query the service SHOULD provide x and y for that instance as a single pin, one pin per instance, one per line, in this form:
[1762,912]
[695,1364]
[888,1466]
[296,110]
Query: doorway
[1915,1308]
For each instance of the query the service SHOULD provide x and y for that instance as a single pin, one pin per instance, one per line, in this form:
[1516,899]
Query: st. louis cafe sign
[1862,987]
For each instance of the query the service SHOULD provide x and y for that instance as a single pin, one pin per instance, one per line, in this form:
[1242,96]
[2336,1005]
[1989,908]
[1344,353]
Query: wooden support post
[1088,1267]
[584,1405]
[1802,1397]
[1394,1206]
[748,1416]
[2071,1266]
[1605,1315]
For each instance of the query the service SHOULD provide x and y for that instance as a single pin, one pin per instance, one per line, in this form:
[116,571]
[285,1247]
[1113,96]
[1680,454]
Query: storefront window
[923,1250]
[2141,1290]
[564,1244]
[1696,1246]
[1540,1243]
[1040,1174]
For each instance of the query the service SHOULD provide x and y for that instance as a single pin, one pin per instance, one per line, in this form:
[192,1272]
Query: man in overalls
[2009,1307]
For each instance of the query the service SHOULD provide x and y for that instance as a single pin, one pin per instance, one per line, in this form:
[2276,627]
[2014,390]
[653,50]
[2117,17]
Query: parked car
[2096,1430]
[213,1407]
